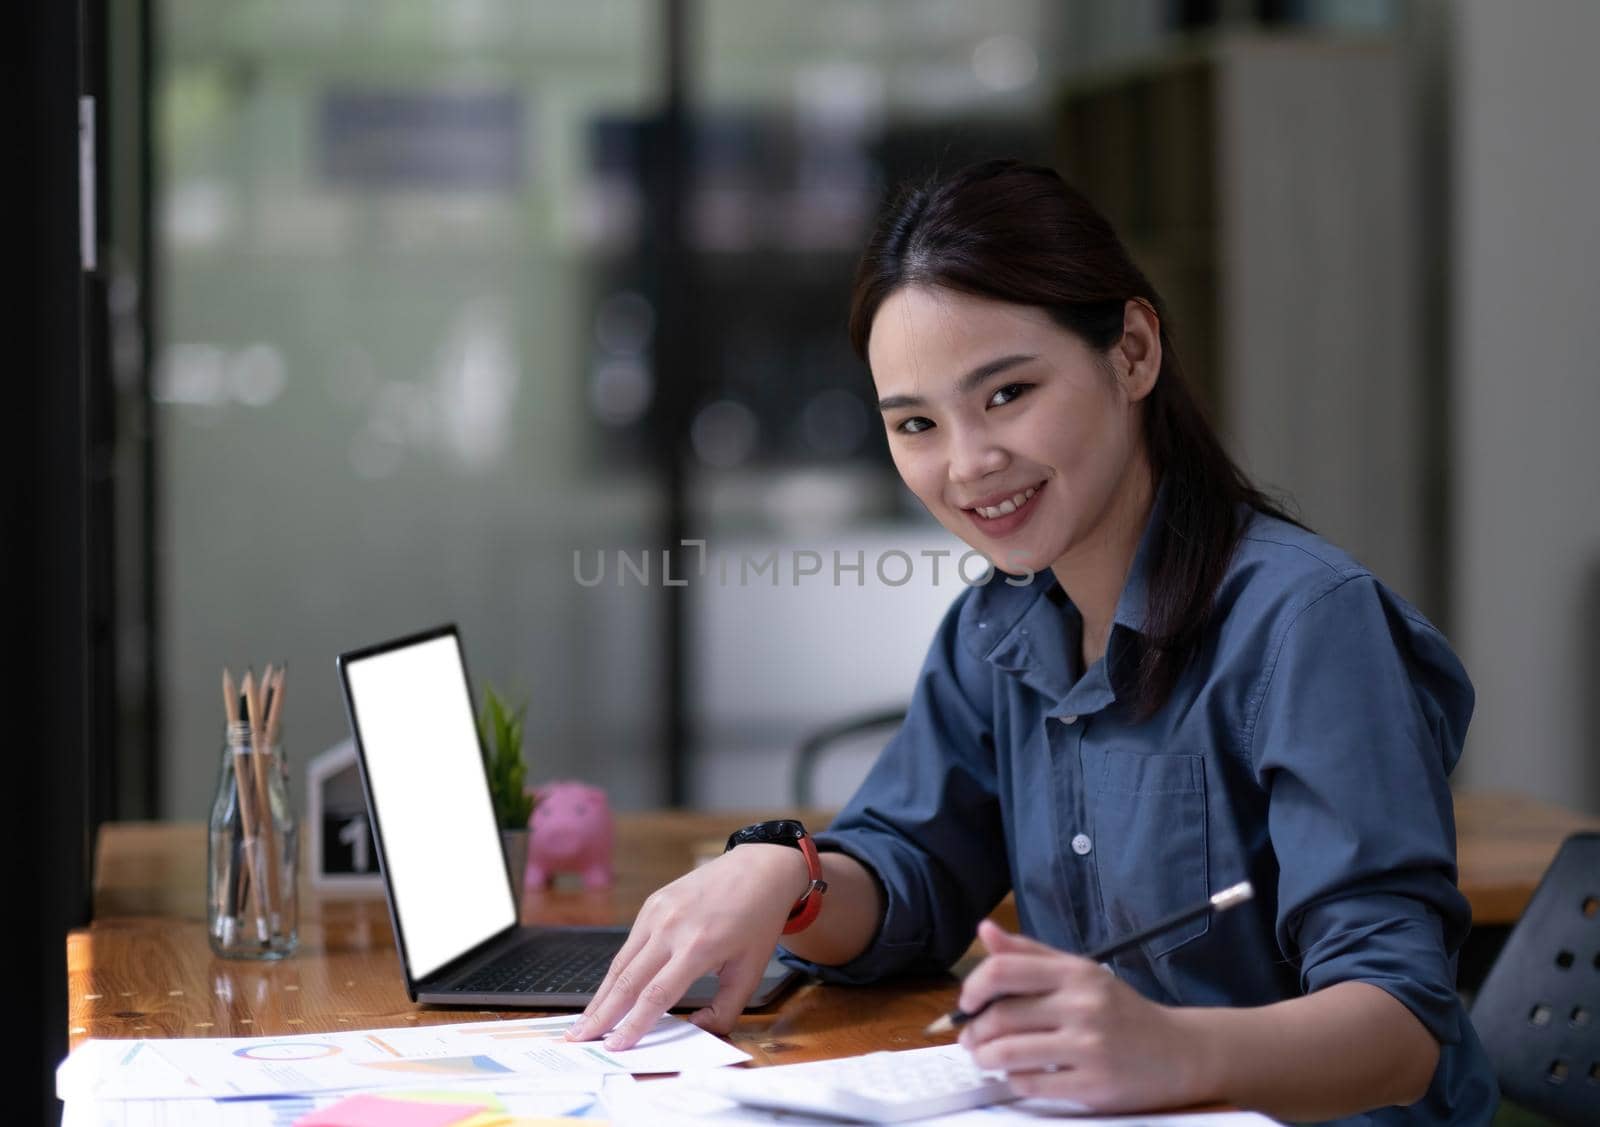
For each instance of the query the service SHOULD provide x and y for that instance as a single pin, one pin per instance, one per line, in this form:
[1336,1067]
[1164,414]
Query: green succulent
[501,728]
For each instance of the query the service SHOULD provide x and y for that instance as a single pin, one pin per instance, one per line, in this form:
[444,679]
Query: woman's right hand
[723,918]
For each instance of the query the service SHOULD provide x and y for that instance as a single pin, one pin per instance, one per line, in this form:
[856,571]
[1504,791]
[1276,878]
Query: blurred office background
[425,311]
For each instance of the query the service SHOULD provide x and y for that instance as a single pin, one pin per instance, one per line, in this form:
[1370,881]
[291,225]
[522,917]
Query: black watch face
[786,831]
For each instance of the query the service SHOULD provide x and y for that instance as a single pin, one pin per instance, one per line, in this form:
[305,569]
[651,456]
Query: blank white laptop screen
[413,714]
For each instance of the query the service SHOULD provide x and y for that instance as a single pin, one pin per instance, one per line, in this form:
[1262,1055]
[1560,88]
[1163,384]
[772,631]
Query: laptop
[450,896]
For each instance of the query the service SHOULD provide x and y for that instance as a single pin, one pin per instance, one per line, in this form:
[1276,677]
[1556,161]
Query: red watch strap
[806,908]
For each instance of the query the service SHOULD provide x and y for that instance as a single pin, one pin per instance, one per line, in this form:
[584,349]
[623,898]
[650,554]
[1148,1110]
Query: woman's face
[1010,429]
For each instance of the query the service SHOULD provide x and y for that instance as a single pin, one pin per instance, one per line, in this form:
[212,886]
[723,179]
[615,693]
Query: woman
[1172,688]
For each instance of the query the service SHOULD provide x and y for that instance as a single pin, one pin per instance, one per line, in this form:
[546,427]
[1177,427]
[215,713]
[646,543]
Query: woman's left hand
[1068,1029]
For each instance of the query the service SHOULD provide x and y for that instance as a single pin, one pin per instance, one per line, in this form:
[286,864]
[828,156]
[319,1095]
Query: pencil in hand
[1229,897]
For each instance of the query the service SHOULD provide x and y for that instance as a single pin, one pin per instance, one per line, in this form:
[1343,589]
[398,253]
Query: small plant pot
[515,843]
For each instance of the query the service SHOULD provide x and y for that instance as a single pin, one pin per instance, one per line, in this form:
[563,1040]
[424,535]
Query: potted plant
[501,728]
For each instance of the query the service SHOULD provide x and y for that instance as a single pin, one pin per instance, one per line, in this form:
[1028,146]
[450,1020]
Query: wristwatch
[787,831]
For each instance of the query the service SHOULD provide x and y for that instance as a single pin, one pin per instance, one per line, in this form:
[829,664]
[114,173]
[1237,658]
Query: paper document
[471,1052]
[680,1103]
[133,1069]
[581,1099]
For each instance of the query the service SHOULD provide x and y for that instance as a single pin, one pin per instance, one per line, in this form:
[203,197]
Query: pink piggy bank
[571,832]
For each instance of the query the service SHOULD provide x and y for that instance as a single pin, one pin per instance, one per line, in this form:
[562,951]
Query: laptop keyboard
[548,964]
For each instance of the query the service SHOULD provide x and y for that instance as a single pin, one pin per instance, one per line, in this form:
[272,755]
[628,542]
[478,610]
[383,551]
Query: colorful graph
[286,1111]
[535,1034]
[379,1042]
[442,1066]
[288,1050]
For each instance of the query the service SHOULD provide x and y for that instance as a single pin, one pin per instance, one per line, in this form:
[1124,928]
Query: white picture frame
[333,789]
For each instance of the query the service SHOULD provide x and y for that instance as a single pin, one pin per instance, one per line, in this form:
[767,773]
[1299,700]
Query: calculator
[874,1088]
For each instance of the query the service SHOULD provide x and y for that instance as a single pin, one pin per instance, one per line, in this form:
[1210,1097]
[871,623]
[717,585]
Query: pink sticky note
[375,1111]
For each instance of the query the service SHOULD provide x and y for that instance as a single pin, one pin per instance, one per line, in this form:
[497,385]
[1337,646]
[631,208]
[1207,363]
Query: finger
[635,942]
[999,975]
[585,1028]
[658,996]
[1024,1052]
[736,981]
[997,939]
[631,980]
[1023,1014]
[1065,1084]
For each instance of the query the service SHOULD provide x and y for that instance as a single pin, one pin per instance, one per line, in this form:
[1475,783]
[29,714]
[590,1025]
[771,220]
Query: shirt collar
[1017,627]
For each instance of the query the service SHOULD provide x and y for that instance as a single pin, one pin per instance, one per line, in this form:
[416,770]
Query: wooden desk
[1504,843]
[143,968]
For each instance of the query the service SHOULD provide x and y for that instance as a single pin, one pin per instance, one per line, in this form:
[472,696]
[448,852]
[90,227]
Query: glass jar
[252,902]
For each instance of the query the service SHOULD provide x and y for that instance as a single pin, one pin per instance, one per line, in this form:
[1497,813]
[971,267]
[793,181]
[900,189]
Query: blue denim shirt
[1305,749]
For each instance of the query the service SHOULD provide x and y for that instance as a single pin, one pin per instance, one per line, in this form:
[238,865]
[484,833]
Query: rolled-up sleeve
[1362,708]
[926,821]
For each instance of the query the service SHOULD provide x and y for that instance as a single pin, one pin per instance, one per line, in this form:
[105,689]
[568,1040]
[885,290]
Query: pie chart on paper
[288,1050]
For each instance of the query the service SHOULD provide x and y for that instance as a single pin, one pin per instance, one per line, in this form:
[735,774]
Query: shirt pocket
[1150,843]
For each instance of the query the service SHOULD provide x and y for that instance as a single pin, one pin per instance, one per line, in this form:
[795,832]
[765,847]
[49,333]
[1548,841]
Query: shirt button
[1081,844]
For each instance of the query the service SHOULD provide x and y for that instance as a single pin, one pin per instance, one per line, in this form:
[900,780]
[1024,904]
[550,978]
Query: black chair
[1538,1012]
[813,747]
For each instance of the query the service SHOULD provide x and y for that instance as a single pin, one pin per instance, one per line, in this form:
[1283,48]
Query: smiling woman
[1035,458]
[1003,254]
[1174,688]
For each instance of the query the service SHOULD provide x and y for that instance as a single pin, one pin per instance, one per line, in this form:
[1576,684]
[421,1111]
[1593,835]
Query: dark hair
[1018,233]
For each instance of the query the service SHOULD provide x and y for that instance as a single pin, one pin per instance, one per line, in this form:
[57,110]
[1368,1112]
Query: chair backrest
[848,733]
[1538,1013]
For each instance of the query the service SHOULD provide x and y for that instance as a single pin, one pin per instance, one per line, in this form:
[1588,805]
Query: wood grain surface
[144,968]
